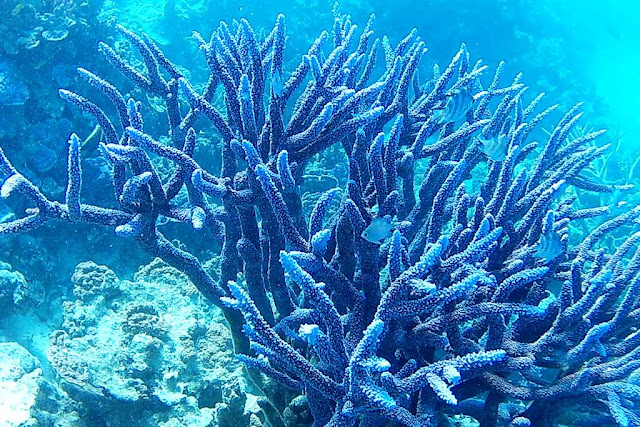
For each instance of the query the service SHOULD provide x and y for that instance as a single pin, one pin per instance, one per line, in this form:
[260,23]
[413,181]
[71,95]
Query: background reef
[107,327]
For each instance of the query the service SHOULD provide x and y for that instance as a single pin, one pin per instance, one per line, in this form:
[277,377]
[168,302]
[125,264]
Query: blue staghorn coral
[476,304]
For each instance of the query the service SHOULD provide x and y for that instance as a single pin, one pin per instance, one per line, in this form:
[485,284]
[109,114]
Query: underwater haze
[222,213]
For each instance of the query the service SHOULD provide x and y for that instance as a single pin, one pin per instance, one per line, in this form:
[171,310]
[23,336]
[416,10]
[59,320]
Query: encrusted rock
[91,280]
[20,381]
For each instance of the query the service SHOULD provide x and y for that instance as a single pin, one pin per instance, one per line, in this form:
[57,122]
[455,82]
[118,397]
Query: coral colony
[473,304]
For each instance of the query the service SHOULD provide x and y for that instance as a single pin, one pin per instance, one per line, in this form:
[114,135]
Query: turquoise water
[500,287]
[583,48]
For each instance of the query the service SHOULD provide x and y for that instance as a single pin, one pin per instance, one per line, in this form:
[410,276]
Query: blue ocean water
[258,223]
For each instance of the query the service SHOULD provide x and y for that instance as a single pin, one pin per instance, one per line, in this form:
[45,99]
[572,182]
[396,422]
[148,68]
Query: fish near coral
[495,148]
[379,229]
[458,103]
[549,247]
[277,84]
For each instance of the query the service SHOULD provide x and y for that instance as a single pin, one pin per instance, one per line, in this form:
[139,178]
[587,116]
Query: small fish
[458,104]
[495,147]
[379,230]
[549,247]
[16,10]
[276,84]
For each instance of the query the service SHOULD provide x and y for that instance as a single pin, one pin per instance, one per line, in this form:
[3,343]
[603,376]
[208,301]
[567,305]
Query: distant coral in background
[12,89]
[397,298]
[16,294]
[36,22]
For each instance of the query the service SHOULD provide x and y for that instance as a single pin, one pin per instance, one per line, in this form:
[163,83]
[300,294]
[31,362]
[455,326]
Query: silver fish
[276,84]
[458,104]
[379,230]
[549,247]
[495,147]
